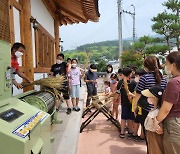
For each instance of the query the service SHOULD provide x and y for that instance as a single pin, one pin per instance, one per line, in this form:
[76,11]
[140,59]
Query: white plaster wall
[17,39]
[40,12]
[38,76]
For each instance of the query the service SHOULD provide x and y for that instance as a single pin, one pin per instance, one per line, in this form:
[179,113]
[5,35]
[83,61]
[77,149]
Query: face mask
[106,86]
[137,79]
[18,54]
[113,81]
[58,61]
[120,77]
[168,72]
[74,65]
[93,70]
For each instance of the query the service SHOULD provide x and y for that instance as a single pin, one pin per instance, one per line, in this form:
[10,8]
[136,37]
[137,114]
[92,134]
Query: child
[116,101]
[154,95]
[137,119]
[124,90]
[74,83]
[107,93]
[107,89]
[91,82]
[152,98]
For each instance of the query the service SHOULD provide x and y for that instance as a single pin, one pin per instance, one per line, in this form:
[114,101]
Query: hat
[154,91]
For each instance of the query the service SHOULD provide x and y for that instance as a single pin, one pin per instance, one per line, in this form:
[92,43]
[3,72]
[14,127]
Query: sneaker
[122,135]
[130,136]
[74,108]
[126,129]
[68,110]
[139,139]
[78,109]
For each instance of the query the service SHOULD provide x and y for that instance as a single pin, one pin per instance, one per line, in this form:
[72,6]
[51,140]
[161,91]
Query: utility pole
[134,30]
[133,15]
[120,30]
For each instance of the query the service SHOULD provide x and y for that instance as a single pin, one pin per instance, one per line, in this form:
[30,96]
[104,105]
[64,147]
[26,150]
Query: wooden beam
[11,20]
[49,4]
[16,4]
[63,22]
[69,21]
[42,70]
[56,31]
[27,31]
[72,14]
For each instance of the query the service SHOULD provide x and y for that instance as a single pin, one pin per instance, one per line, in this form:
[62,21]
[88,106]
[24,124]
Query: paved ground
[66,134]
[99,137]
[102,137]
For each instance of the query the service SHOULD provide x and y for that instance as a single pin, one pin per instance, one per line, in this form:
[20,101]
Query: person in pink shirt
[74,83]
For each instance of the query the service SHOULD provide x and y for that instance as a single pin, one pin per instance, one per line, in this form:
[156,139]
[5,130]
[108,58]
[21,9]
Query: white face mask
[18,54]
[58,61]
[137,79]
[93,70]
[74,65]
[168,72]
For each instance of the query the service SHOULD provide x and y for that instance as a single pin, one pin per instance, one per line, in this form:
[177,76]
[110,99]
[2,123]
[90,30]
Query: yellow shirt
[139,108]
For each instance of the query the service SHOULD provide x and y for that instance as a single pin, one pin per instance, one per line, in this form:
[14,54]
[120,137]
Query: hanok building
[35,23]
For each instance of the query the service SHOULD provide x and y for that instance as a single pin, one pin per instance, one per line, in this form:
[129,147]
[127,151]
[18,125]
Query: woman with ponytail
[151,78]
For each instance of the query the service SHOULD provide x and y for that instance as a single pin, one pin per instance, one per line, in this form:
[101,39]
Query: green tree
[157,49]
[130,58]
[140,48]
[101,66]
[148,45]
[168,24]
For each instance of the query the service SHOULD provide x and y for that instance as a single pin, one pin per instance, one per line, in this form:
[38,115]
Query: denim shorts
[75,91]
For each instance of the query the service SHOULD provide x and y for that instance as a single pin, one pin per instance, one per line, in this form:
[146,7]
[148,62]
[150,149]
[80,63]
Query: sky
[107,27]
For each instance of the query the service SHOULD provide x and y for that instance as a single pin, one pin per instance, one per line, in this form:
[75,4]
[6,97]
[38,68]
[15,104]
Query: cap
[154,91]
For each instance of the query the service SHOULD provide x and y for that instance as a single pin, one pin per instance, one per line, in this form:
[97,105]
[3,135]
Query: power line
[95,31]
[138,6]
[126,25]
[135,3]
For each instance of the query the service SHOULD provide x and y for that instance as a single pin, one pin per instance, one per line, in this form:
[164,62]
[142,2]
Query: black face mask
[142,102]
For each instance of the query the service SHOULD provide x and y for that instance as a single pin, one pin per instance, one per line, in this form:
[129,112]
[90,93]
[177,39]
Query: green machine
[24,129]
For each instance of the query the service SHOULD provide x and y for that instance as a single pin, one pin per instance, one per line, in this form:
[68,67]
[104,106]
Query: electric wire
[97,30]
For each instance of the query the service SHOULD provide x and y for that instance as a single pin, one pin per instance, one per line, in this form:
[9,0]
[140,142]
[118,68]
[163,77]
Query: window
[44,48]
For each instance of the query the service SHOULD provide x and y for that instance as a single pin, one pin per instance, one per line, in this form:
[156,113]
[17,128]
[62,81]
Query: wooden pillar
[56,30]
[27,40]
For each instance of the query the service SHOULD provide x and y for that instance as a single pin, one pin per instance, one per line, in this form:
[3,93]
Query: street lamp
[134,30]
